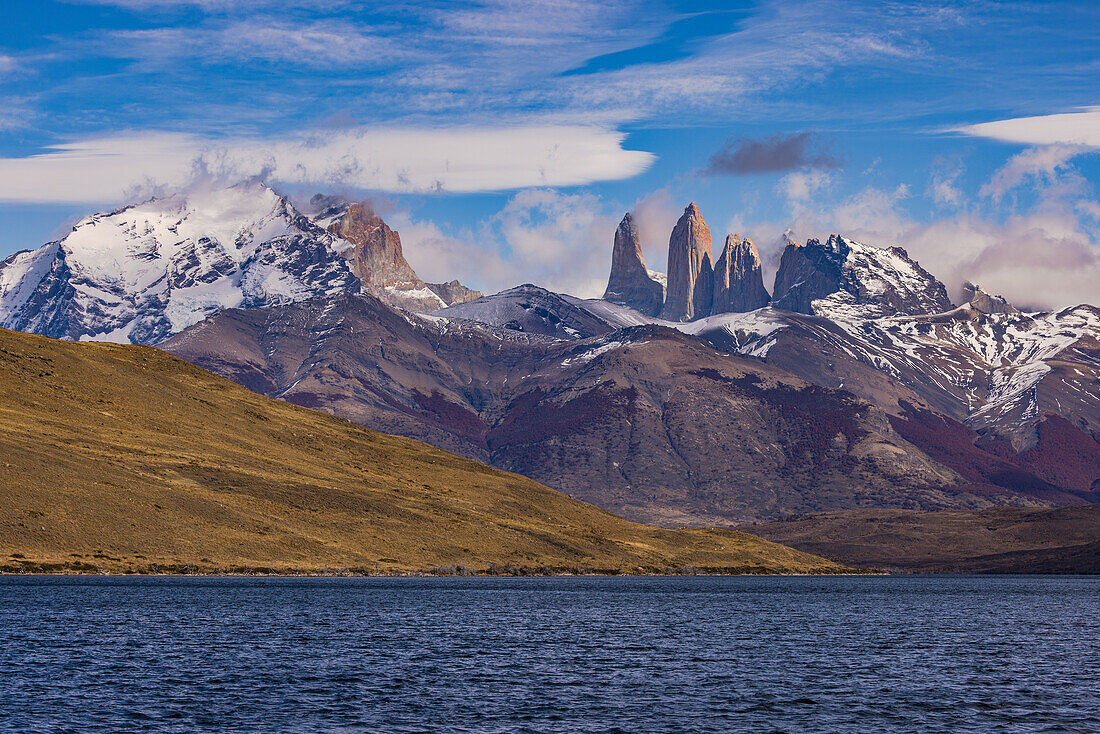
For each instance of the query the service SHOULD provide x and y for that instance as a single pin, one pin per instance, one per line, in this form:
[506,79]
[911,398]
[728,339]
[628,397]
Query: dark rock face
[806,273]
[703,297]
[738,281]
[689,243]
[629,283]
[979,300]
[453,293]
[883,281]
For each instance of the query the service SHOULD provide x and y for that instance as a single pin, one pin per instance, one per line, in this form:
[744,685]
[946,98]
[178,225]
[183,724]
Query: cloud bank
[457,160]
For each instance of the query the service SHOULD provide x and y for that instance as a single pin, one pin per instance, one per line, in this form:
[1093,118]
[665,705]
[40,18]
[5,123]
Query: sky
[504,140]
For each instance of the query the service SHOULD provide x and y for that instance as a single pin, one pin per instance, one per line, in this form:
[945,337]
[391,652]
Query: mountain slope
[994,540]
[124,458]
[1024,387]
[842,276]
[532,310]
[145,271]
[646,421]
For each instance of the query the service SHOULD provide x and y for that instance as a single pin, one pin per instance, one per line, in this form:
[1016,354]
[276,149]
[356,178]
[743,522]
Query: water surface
[863,654]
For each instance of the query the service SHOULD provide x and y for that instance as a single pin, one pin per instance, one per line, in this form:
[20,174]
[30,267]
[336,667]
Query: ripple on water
[950,654]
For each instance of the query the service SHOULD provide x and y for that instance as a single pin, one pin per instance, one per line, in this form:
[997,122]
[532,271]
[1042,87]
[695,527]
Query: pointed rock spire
[630,283]
[738,281]
[689,243]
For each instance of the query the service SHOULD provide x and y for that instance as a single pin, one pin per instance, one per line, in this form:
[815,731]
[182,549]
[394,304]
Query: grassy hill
[123,459]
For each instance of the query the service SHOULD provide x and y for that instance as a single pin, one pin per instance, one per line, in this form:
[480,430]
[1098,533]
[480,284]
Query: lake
[753,654]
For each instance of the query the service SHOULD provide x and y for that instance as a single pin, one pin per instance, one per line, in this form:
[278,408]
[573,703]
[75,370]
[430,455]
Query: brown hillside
[990,540]
[125,458]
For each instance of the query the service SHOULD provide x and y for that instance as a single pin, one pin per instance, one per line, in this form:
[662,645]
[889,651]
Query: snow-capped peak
[144,271]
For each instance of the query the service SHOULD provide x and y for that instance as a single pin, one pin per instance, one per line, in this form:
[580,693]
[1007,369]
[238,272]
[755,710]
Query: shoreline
[334,573]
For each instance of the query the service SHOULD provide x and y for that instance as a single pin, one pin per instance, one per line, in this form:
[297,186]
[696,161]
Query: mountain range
[143,272]
[695,397]
[125,459]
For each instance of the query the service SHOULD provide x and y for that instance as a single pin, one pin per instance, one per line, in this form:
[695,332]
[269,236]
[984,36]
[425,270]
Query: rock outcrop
[703,297]
[378,262]
[689,243]
[630,283]
[850,279]
[377,259]
[979,300]
[738,281]
[454,293]
[806,273]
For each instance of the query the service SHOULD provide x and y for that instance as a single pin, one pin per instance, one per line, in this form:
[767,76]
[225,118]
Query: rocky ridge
[738,280]
[143,272]
[647,421]
[979,300]
[828,279]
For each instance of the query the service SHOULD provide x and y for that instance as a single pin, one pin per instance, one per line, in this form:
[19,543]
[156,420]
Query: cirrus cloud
[1069,128]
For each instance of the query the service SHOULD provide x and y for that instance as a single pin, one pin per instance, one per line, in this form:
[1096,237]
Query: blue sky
[505,139]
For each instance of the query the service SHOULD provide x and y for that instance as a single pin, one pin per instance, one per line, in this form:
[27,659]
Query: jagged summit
[738,280]
[630,283]
[838,277]
[148,270]
[831,278]
[145,271]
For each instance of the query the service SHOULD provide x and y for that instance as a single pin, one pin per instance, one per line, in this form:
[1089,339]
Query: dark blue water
[948,654]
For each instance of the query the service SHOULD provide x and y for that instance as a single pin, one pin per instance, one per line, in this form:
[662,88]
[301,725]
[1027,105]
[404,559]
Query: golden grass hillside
[124,459]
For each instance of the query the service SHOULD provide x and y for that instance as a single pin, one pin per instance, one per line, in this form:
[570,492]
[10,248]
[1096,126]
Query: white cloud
[1039,165]
[944,188]
[1069,128]
[799,186]
[563,240]
[439,257]
[458,159]
[1047,256]
[318,44]
[1089,208]
[558,241]
[655,215]
[1041,259]
[490,60]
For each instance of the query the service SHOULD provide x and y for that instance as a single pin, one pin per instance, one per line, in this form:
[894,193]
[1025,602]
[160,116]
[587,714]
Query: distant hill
[992,540]
[123,458]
